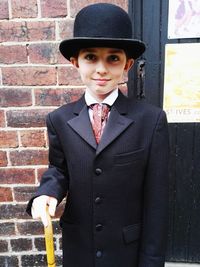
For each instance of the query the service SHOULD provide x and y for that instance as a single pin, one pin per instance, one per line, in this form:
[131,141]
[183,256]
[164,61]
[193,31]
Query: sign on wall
[184,19]
[182,82]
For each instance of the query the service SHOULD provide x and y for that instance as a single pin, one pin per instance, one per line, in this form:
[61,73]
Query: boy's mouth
[101,81]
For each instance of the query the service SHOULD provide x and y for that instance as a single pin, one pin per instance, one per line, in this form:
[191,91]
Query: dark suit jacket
[117,206]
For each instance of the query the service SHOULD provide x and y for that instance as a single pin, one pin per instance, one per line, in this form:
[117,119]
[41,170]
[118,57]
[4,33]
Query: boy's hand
[39,205]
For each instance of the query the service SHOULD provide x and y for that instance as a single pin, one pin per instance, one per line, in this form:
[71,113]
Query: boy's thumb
[52,206]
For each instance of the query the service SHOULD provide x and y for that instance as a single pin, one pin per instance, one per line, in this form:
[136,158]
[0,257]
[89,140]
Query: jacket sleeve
[155,211]
[54,181]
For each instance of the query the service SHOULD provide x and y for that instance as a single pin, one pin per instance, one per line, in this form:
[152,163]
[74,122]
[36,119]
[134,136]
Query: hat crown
[103,21]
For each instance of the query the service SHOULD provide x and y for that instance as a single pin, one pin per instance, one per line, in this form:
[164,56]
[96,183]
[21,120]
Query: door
[150,22]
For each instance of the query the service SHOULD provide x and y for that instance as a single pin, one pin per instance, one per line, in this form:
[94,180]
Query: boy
[115,176]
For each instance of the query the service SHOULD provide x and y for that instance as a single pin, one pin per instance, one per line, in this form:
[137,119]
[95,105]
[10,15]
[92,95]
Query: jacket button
[99,253]
[99,227]
[98,171]
[97,200]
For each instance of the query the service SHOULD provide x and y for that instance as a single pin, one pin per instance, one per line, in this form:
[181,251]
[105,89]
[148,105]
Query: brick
[66,28]
[56,227]
[5,194]
[27,118]
[2,118]
[15,97]
[33,138]
[17,176]
[21,244]
[24,193]
[41,30]
[56,97]
[68,76]
[34,260]
[7,228]
[60,243]
[24,8]
[11,54]
[40,172]
[29,157]
[76,5]
[4,13]
[28,76]
[13,211]
[3,159]
[46,53]
[14,31]
[40,244]
[3,246]
[51,8]
[11,261]
[8,139]
[30,228]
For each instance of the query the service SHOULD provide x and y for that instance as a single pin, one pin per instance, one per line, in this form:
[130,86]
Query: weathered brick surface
[15,97]
[46,53]
[17,176]
[6,229]
[27,118]
[24,31]
[33,138]
[24,8]
[13,211]
[56,97]
[29,76]
[66,28]
[2,118]
[34,260]
[24,193]
[4,14]
[76,5]
[21,244]
[68,76]
[8,139]
[34,80]
[30,228]
[11,261]
[3,246]
[5,194]
[54,9]
[3,159]
[29,157]
[10,54]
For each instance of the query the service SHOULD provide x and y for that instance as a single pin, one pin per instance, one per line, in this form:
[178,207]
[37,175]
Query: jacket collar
[117,123]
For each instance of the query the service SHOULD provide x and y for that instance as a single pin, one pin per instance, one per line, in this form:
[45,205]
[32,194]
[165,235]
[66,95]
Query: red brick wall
[34,79]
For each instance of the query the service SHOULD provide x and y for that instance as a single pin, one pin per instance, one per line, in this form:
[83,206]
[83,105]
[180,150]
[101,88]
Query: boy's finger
[52,206]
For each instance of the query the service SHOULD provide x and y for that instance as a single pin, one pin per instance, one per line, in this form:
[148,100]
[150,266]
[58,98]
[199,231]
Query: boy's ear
[129,64]
[74,61]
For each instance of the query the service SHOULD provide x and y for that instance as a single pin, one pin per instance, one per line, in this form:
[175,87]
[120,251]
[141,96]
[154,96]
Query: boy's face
[101,69]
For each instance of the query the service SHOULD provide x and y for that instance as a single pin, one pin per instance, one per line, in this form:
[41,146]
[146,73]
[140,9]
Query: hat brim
[70,47]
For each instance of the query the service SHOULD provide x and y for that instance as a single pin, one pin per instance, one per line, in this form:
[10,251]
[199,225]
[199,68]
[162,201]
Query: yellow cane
[48,232]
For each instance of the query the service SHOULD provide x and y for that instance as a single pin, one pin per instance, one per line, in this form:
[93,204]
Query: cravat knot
[100,116]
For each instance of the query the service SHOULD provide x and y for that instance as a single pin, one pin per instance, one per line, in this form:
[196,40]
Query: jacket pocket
[129,157]
[131,233]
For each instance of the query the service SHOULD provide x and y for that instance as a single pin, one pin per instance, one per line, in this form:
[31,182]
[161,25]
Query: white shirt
[109,100]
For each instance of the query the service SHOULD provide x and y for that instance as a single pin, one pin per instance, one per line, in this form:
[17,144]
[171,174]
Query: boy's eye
[90,57]
[113,58]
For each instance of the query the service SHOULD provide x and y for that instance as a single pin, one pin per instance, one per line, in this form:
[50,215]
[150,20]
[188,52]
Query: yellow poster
[182,82]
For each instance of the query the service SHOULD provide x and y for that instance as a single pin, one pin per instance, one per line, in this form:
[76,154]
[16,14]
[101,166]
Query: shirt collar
[109,100]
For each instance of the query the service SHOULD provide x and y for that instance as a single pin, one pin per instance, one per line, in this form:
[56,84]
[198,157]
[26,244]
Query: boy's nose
[101,68]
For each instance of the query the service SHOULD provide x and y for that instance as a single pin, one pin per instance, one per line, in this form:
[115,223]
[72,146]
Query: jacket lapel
[81,123]
[117,123]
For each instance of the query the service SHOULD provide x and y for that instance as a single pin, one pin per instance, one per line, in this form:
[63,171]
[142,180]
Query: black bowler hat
[102,25]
